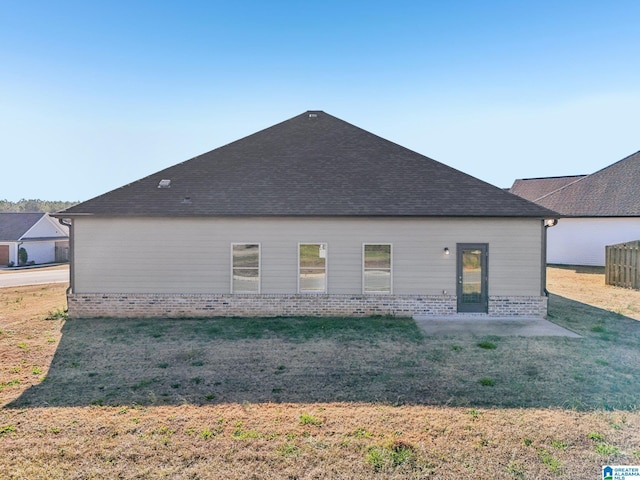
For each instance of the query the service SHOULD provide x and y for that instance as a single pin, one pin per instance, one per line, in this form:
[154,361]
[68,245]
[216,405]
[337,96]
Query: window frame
[326,269]
[364,269]
[259,267]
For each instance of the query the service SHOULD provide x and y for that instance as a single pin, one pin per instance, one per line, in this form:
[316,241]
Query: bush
[23,256]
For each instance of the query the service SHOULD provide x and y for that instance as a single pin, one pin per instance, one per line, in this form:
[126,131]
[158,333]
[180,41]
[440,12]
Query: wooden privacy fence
[622,267]
[61,252]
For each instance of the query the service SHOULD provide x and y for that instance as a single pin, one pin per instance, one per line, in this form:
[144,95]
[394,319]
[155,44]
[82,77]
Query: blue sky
[94,95]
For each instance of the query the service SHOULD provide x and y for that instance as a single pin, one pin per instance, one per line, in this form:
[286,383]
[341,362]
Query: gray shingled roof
[14,225]
[613,191]
[313,164]
[534,188]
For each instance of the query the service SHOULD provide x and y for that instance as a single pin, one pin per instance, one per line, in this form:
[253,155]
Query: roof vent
[164,183]
[313,115]
[186,201]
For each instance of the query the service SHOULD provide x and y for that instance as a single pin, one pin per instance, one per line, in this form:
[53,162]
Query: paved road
[34,276]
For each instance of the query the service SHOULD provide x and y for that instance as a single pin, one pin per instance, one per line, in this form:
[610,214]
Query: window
[245,266]
[376,268]
[312,268]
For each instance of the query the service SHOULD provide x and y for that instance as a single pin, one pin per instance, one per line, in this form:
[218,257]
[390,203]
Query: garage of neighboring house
[43,239]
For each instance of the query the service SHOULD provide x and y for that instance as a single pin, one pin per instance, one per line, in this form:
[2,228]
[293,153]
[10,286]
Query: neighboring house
[597,210]
[535,188]
[312,216]
[43,238]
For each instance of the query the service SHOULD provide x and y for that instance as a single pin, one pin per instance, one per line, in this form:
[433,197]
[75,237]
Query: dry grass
[281,423]
[351,441]
[28,340]
[586,285]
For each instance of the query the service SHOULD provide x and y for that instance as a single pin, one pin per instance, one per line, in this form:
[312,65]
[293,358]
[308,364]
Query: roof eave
[541,215]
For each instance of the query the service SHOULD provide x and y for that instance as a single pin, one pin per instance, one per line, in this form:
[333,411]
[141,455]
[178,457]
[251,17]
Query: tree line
[33,206]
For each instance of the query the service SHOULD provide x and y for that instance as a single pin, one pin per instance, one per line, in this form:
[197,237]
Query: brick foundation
[270,305]
[518,306]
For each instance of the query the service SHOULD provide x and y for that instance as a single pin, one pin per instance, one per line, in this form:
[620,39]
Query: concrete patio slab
[491,326]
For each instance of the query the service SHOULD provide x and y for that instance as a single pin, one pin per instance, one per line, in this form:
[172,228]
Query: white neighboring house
[596,210]
[44,239]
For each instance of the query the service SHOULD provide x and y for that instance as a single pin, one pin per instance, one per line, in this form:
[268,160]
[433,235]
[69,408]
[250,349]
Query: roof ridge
[588,176]
[614,163]
[562,188]
[24,213]
[552,178]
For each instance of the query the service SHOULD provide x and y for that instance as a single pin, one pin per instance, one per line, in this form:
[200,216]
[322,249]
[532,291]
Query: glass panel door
[473,278]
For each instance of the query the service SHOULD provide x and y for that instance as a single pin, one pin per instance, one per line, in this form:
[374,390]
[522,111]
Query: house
[597,210]
[534,188]
[41,238]
[312,216]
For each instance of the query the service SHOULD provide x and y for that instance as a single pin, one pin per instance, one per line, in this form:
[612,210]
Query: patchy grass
[550,461]
[389,457]
[308,360]
[268,441]
[337,399]
[487,345]
[5,429]
[487,382]
[300,329]
[307,419]
[607,450]
[29,337]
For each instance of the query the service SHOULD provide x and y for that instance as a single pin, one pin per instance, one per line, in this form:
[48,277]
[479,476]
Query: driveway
[491,326]
[34,276]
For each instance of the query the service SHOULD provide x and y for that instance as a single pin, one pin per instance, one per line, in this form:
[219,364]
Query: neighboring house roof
[13,226]
[313,164]
[534,188]
[613,191]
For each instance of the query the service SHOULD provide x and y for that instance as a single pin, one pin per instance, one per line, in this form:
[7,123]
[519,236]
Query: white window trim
[246,268]
[364,291]
[326,268]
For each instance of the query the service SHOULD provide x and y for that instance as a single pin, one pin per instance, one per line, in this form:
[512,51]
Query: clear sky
[96,94]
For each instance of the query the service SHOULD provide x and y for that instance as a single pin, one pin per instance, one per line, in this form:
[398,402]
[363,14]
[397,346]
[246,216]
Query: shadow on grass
[306,360]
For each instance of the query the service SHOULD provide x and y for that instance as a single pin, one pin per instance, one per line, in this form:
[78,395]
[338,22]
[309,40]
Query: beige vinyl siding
[191,255]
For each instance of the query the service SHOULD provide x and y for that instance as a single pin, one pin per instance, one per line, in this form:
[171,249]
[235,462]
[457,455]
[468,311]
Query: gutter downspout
[547,224]
[67,222]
